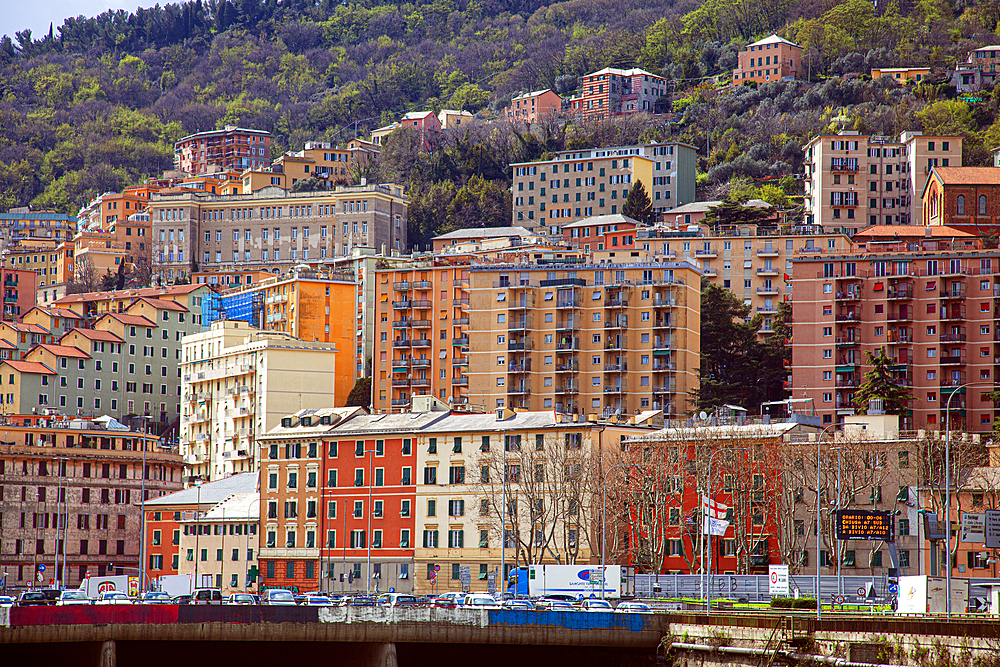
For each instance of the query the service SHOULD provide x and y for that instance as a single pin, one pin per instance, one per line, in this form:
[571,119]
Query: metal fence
[754,587]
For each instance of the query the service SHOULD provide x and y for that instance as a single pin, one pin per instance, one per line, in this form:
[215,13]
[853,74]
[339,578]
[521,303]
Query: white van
[480,601]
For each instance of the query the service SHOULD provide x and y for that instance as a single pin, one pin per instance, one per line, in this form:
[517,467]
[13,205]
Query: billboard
[865,525]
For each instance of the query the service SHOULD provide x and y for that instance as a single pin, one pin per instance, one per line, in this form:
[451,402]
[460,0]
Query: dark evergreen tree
[730,213]
[638,205]
[879,383]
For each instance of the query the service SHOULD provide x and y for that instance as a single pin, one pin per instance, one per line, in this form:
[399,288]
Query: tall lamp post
[368,537]
[142,503]
[246,554]
[819,524]
[947,489]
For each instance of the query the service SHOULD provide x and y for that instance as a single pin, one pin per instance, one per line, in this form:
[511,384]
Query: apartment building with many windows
[421,343]
[164,515]
[272,229]
[607,339]
[70,491]
[853,181]
[612,92]
[768,60]
[579,184]
[237,383]
[231,148]
[219,547]
[930,305]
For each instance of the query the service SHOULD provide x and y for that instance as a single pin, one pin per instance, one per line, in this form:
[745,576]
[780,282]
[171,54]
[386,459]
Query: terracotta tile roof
[58,312]
[137,320]
[29,367]
[64,351]
[147,292]
[24,327]
[94,334]
[7,345]
[968,175]
[161,304]
[912,231]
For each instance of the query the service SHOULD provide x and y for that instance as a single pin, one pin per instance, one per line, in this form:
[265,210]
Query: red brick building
[20,287]
[967,198]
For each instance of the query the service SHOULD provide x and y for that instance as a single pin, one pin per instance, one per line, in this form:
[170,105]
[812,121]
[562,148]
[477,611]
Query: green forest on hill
[96,103]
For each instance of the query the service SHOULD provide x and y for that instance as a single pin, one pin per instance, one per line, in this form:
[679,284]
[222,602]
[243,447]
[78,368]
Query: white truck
[94,586]
[921,594]
[580,581]
[176,584]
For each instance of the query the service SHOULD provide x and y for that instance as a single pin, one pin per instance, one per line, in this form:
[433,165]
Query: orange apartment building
[231,148]
[610,339]
[770,59]
[20,290]
[931,304]
[534,107]
[317,159]
[421,334]
[165,514]
[966,198]
[338,483]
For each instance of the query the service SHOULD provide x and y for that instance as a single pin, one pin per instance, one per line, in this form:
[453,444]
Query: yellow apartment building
[543,458]
[238,382]
[421,334]
[611,339]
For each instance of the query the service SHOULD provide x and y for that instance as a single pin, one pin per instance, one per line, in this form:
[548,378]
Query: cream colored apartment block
[552,515]
[853,181]
[219,548]
[601,339]
[421,334]
[236,383]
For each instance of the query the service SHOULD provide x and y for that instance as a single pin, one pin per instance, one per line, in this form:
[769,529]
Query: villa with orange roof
[967,198]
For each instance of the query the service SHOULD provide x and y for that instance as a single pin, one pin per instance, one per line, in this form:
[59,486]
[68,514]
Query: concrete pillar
[109,655]
[383,655]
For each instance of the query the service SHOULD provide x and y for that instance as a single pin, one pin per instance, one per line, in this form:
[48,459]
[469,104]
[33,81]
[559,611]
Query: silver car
[73,597]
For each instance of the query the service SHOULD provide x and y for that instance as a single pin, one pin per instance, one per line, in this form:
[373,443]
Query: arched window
[960,204]
[982,204]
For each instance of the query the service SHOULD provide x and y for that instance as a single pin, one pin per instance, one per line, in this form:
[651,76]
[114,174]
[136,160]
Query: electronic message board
[865,525]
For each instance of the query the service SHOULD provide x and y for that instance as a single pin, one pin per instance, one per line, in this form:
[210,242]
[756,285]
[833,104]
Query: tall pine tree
[638,205]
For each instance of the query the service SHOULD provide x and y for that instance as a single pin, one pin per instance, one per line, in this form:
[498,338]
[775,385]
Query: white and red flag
[715,516]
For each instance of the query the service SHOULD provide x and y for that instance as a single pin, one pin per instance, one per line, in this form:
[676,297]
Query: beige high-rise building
[584,338]
[238,382]
[853,181]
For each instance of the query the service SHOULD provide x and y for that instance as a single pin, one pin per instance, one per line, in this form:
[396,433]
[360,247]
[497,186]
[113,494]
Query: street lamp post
[947,490]
[819,525]
[197,532]
[142,503]
[246,554]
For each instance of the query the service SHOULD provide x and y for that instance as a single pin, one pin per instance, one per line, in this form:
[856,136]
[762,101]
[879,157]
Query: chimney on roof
[927,232]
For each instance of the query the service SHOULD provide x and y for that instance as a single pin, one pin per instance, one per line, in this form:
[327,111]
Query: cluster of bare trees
[555,490]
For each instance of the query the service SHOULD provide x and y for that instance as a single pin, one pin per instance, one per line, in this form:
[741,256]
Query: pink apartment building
[770,59]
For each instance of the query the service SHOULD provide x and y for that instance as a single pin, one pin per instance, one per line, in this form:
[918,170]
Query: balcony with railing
[568,303]
[848,337]
[567,325]
[400,324]
[420,363]
[462,341]
[850,316]
[954,336]
[420,382]
[847,381]
[517,346]
[900,315]
[460,381]
[767,290]
[617,300]
[767,251]
[569,345]
[401,305]
[616,367]
[517,324]
[665,388]
[664,323]
[422,304]
[852,293]
[521,388]
[767,309]
[401,286]
[518,304]
[421,324]
[570,366]
[661,301]
[954,311]
[708,253]
[664,366]
[460,321]
[421,342]
[956,380]
[767,271]
[568,389]
[401,382]
[618,322]
[901,291]
[522,367]
[953,358]
[616,388]
[955,290]
[616,343]
[401,342]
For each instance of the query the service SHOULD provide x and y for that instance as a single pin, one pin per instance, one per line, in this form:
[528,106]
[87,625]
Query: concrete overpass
[192,636]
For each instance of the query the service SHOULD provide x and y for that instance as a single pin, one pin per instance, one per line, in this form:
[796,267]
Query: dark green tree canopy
[879,383]
[638,205]
[737,367]
[730,213]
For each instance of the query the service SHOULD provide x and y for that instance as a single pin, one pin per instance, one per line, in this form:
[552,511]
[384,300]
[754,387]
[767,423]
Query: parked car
[6,601]
[240,598]
[72,597]
[33,599]
[363,601]
[113,597]
[443,603]
[181,599]
[526,605]
[280,597]
[398,600]
[634,608]
[550,604]
[479,601]
[155,597]
[206,596]
[595,605]
[318,601]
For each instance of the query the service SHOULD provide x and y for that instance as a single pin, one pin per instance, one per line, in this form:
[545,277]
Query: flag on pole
[714,513]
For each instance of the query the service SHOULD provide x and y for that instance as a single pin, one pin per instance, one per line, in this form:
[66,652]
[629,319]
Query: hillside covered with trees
[96,104]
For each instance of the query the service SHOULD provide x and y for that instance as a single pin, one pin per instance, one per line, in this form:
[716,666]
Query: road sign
[864,525]
[893,589]
[973,528]
[437,568]
[392,589]
[41,567]
[778,580]
[862,590]
[839,599]
[992,537]
[465,575]
[492,582]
